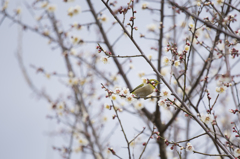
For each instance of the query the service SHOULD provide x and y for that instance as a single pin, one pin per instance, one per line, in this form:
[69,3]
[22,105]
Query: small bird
[145,89]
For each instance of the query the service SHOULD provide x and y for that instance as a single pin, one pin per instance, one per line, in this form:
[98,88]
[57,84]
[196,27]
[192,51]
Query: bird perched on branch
[146,88]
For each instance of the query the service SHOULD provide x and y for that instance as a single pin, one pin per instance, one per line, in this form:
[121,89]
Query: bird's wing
[141,85]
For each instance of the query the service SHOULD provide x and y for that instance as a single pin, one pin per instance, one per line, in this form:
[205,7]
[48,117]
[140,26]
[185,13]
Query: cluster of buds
[237,32]
[228,43]
[236,131]
[209,110]
[121,92]
[234,111]
[154,48]
[187,115]
[234,52]
[187,47]
[209,97]
[77,26]
[173,48]
[212,19]
[228,19]
[123,10]
[157,133]
[109,93]
[205,79]
[100,49]
[200,42]
[166,142]
[227,84]
[206,19]
[113,3]
[176,10]
[135,28]
[175,144]
[132,18]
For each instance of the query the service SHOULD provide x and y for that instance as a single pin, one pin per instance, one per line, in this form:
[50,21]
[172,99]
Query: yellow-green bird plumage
[144,90]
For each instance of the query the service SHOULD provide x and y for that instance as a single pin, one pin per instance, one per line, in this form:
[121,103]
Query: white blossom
[113,97]
[73,81]
[221,89]
[206,118]
[70,74]
[150,57]
[76,9]
[114,77]
[77,26]
[104,18]
[73,52]
[125,91]
[60,106]
[151,27]
[118,90]
[186,48]
[107,106]
[165,93]
[237,152]
[164,71]
[51,8]
[191,25]
[162,103]
[75,39]
[130,98]
[166,61]
[139,105]
[104,60]
[141,74]
[145,5]
[219,2]
[177,63]
[166,49]
[238,32]
[83,141]
[105,119]
[70,11]
[183,24]
[189,147]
